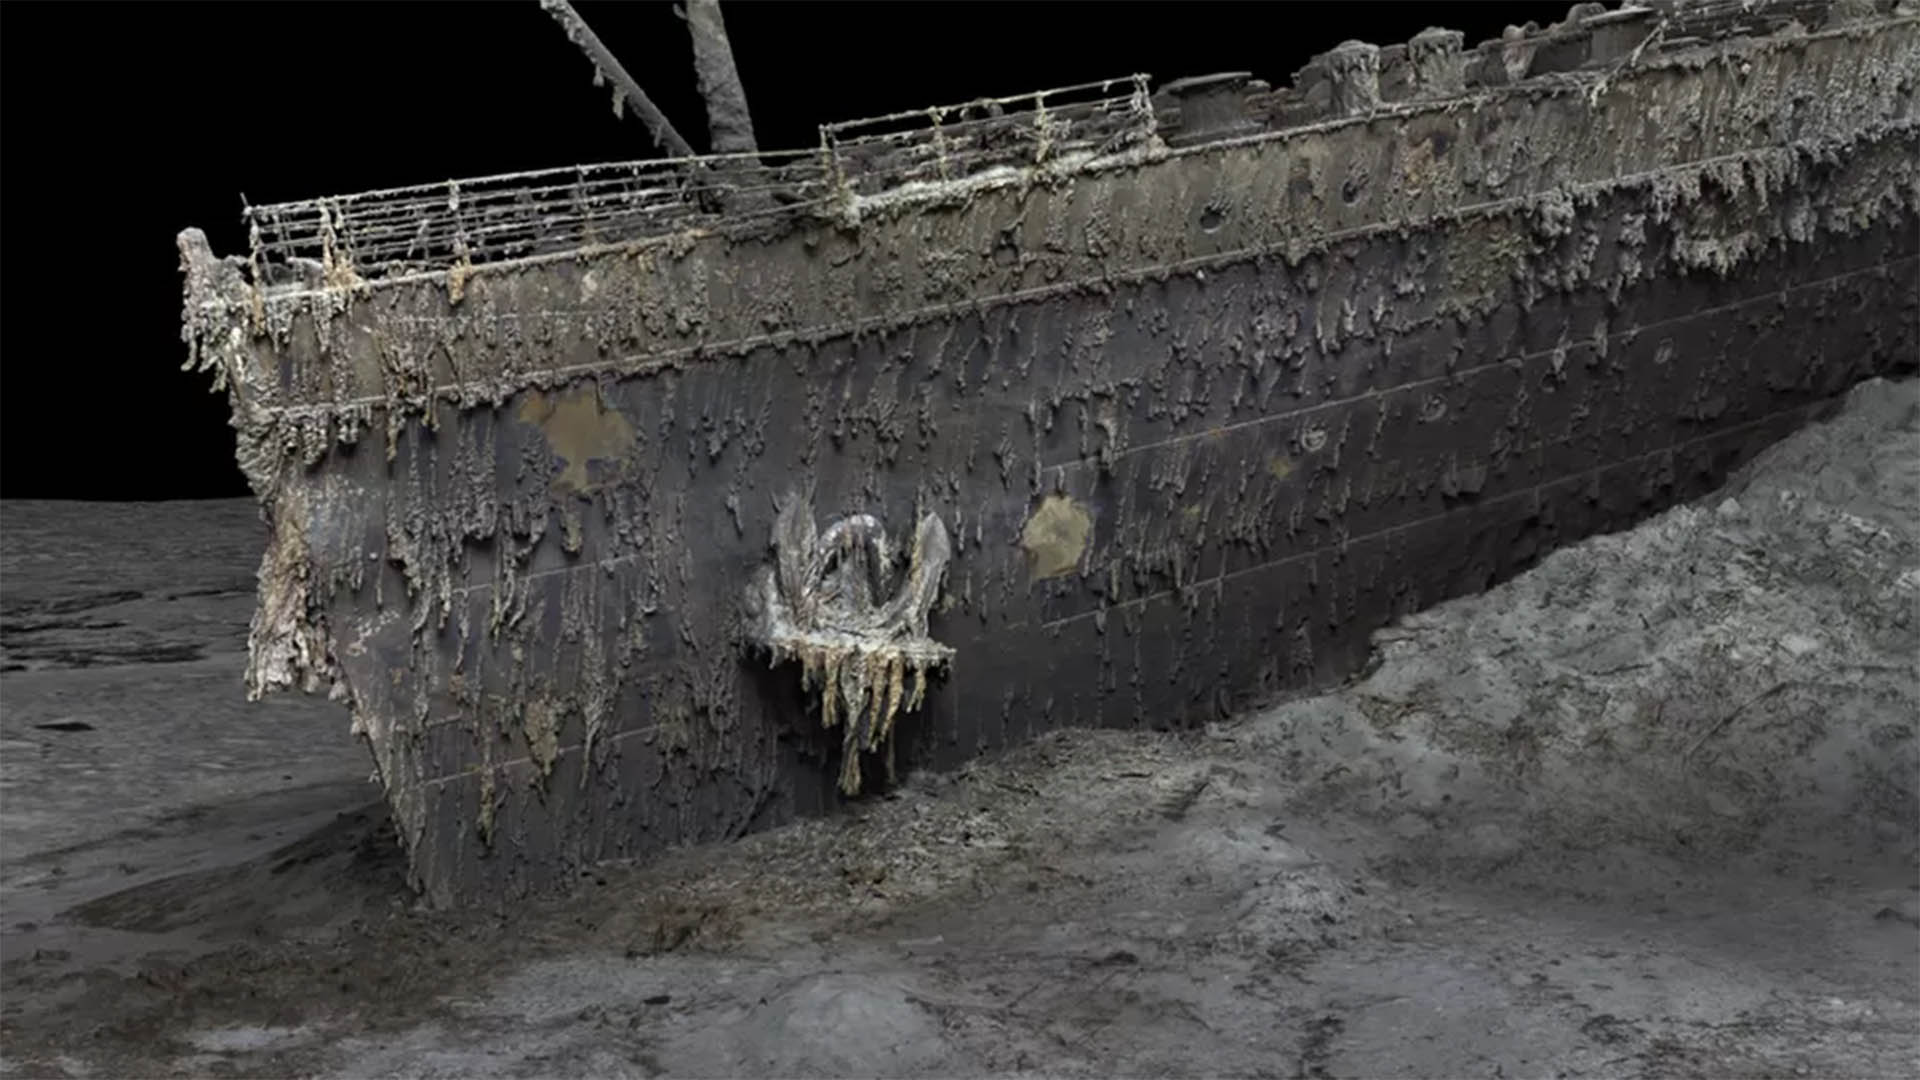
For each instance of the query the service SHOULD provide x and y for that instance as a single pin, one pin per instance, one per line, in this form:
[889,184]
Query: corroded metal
[1195,419]
[627,93]
[729,123]
[837,603]
[1211,107]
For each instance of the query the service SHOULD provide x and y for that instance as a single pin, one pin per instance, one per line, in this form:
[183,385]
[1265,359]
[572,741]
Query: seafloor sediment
[1646,810]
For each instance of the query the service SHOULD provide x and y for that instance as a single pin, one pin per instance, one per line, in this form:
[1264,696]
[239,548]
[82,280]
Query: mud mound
[832,1025]
[1726,676]
[351,868]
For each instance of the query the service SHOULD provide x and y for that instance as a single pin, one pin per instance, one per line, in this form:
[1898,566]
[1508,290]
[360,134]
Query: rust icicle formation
[826,603]
[1190,390]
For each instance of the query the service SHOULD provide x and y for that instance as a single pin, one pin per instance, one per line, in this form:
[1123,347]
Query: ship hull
[1197,425]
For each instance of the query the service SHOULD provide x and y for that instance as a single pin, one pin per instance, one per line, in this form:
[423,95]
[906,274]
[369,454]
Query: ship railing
[433,227]
[462,223]
[954,142]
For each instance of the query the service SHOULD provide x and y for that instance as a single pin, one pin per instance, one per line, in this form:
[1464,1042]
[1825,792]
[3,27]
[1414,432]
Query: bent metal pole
[625,88]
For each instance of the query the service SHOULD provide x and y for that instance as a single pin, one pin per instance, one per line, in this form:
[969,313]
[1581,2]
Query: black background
[125,122]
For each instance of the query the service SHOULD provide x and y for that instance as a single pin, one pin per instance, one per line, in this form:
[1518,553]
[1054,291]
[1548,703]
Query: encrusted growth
[1165,365]
[826,602]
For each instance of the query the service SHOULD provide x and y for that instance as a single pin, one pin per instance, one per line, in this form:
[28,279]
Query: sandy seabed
[1647,810]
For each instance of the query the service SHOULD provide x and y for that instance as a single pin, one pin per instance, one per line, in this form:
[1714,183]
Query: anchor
[830,601]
